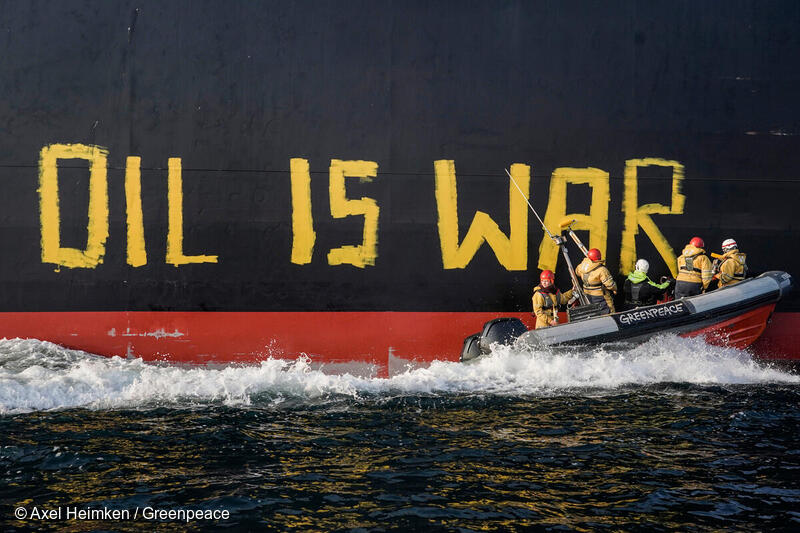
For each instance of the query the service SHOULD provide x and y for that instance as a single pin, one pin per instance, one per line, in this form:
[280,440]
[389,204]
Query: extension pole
[559,241]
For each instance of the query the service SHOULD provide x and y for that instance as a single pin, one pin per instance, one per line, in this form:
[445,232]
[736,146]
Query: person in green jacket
[640,290]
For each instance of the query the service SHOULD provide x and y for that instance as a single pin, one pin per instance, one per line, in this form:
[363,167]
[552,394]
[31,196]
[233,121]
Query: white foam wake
[36,375]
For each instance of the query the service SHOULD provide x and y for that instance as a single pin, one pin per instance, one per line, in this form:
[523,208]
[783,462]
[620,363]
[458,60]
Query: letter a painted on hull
[596,222]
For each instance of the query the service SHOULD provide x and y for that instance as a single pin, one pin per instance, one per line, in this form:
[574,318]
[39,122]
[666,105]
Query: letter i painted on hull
[637,216]
[365,253]
[175,254]
[303,235]
[50,216]
[137,255]
[596,222]
[511,251]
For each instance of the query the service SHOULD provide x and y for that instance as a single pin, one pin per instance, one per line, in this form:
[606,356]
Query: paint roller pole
[559,241]
[582,298]
[529,205]
[567,223]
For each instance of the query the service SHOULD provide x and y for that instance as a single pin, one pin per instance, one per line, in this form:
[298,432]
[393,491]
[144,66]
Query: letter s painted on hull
[365,253]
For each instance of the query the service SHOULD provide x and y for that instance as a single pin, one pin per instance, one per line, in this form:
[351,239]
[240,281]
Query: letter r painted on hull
[596,222]
[50,216]
[637,216]
[511,251]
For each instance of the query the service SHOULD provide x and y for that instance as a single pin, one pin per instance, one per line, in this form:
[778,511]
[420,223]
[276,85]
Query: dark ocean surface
[673,434]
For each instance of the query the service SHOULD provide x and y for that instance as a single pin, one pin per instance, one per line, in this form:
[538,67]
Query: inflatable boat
[732,316]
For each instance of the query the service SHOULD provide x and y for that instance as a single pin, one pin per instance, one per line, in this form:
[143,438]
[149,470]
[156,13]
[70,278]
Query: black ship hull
[169,167]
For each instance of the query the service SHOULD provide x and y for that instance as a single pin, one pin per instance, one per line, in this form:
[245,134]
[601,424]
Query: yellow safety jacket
[694,266]
[545,305]
[733,268]
[597,280]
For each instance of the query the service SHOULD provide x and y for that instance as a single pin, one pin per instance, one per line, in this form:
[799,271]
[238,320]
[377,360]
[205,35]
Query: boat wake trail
[37,375]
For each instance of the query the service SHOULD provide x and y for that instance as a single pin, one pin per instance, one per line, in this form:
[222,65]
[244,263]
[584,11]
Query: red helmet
[697,242]
[594,254]
[547,274]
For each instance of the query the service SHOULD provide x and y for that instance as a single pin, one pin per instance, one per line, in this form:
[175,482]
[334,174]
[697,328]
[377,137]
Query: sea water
[670,434]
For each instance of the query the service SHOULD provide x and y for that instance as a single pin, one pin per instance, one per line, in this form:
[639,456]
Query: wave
[37,375]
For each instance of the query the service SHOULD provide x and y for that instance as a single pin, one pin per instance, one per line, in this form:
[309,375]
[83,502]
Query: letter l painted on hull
[175,254]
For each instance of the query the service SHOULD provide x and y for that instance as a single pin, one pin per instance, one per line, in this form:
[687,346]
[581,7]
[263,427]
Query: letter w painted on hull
[512,251]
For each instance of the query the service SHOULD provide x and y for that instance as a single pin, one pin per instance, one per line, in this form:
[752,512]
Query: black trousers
[599,300]
[687,288]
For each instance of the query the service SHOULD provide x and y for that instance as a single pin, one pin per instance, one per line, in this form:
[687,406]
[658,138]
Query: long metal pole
[560,241]
[582,298]
[578,242]
[529,203]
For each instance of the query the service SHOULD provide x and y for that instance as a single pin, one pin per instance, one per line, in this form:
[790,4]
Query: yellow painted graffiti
[512,251]
[175,254]
[596,222]
[365,253]
[637,216]
[303,236]
[137,255]
[50,217]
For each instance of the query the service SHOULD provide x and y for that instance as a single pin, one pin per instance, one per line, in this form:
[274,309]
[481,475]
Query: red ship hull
[246,337]
[328,337]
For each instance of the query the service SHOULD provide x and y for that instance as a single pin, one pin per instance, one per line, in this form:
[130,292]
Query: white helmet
[642,265]
[728,245]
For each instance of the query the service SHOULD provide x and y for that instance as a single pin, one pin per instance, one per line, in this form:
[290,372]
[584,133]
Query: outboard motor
[501,331]
[471,348]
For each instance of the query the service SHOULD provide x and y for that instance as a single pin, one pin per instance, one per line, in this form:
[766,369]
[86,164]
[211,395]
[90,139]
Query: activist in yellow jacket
[546,303]
[694,270]
[546,299]
[598,283]
[733,267]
